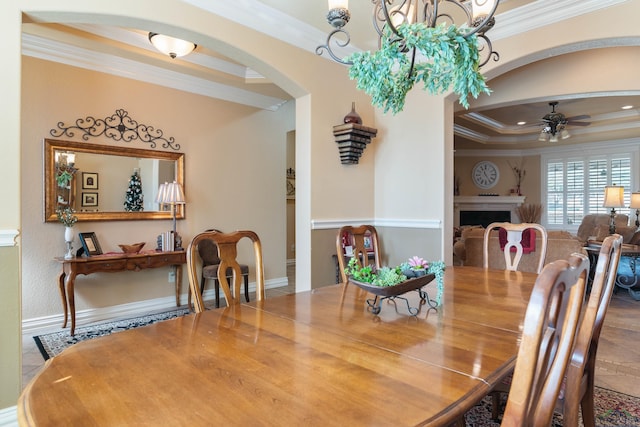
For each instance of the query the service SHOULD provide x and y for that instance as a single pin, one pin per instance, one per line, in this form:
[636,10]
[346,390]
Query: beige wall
[590,71]
[234,163]
[379,186]
[291,200]
[507,181]
[10,338]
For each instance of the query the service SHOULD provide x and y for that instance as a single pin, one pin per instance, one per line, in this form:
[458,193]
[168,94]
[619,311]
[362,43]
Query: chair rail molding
[329,224]
[9,237]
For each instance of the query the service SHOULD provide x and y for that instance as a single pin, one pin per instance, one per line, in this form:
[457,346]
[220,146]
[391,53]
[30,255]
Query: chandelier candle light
[418,41]
[613,198]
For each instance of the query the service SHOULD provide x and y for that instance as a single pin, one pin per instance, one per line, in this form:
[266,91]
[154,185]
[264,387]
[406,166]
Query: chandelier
[476,17]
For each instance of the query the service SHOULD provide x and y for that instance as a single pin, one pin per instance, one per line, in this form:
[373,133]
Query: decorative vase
[68,238]
[353,117]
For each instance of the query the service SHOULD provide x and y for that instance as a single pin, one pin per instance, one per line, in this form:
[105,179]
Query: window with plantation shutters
[574,186]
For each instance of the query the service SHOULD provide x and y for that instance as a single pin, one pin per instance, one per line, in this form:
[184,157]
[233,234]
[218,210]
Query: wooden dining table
[310,358]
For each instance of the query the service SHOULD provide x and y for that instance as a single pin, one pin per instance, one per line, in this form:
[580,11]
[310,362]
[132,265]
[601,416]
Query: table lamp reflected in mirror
[170,194]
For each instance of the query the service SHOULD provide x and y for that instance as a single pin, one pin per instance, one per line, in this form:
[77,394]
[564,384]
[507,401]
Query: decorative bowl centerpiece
[390,283]
[132,249]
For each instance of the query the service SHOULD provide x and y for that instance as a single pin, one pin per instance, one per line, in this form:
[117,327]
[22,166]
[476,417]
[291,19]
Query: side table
[111,263]
[629,255]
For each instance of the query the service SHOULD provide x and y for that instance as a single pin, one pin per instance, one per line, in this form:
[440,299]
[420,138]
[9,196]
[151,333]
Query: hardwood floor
[618,361]
[618,366]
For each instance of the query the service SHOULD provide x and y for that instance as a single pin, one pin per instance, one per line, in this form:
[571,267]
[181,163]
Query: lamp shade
[170,45]
[613,196]
[173,193]
[161,191]
[635,201]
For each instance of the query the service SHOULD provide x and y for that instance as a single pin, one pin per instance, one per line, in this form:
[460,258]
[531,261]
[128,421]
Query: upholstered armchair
[596,227]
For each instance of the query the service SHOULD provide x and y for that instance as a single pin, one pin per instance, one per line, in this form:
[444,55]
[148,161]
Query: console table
[110,263]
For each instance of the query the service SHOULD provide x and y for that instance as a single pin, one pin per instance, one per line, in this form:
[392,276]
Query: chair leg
[246,287]
[216,286]
[495,405]
[586,405]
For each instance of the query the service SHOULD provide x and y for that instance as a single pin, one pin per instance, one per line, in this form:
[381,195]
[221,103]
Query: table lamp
[613,198]
[635,204]
[171,193]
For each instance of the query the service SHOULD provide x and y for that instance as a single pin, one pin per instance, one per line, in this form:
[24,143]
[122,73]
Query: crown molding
[541,13]
[593,148]
[272,22]
[51,50]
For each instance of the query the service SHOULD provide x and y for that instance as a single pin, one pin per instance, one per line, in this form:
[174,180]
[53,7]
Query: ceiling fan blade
[579,123]
[582,117]
[538,124]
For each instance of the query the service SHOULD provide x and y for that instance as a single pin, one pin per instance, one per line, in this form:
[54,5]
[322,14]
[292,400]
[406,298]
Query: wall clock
[485,174]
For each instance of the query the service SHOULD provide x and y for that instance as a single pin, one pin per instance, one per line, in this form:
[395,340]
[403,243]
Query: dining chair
[578,385]
[513,247]
[549,332]
[365,247]
[211,263]
[578,391]
[228,252]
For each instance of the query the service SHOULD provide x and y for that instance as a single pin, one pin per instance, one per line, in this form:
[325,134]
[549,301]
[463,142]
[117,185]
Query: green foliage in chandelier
[453,65]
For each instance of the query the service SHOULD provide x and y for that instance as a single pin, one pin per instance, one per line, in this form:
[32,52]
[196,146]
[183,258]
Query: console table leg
[178,271]
[63,294]
[70,282]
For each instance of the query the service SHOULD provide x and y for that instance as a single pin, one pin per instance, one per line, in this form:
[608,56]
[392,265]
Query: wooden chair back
[228,252]
[514,238]
[549,332]
[358,235]
[579,387]
[208,251]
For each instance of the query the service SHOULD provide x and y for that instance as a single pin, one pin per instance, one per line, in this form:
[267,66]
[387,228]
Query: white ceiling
[127,52]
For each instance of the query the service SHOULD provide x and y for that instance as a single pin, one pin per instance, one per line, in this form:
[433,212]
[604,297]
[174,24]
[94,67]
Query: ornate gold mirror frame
[79,187]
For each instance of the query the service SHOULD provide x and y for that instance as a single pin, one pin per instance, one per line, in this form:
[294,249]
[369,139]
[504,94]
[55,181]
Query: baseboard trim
[44,324]
[9,417]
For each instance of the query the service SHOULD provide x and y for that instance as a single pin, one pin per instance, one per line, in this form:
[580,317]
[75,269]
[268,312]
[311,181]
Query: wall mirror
[94,180]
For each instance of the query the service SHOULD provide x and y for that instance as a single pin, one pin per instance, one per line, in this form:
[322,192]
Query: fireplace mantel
[502,200]
[486,203]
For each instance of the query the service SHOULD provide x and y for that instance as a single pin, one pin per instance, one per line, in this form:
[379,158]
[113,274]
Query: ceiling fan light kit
[555,124]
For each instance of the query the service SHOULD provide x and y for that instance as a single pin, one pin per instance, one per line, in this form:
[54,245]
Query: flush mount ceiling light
[170,45]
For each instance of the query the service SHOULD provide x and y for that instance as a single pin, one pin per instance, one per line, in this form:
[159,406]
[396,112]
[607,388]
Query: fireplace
[474,210]
[484,218]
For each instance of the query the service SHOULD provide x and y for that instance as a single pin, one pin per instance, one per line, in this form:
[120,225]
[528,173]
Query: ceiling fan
[555,123]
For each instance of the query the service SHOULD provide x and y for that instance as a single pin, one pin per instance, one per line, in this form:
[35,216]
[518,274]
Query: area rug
[612,409]
[53,343]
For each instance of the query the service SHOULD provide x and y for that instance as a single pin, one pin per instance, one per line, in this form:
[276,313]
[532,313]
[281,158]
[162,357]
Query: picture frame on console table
[90,243]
